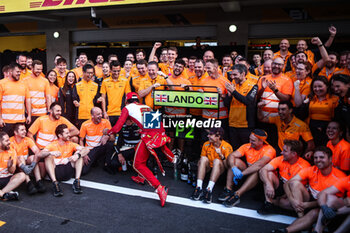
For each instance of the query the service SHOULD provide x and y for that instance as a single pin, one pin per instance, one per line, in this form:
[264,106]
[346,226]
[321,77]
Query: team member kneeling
[60,162]
[287,165]
[213,158]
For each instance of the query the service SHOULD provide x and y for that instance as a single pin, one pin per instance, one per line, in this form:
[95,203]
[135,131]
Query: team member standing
[39,91]
[215,83]
[242,99]
[85,94]
[321,109]
[79,72]
[115,88]
[65,98]
[151,83]
[8,180]
[150,140]
[283,53]
[61,70]
[63,159]
[52,78]
[14,99]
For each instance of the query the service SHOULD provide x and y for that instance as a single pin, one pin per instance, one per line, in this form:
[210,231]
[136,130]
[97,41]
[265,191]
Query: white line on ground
[186,202]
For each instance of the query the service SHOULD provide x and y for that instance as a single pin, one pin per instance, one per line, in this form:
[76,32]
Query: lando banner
[188,99]
[10,6]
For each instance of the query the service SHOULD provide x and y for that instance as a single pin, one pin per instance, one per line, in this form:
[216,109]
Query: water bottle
[189,180]
[184,170]
[175,168]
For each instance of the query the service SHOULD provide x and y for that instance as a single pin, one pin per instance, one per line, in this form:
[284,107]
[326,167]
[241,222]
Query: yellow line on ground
[2,223]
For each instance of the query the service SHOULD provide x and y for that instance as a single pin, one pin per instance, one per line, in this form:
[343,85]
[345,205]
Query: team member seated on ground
[278,171]
[257,154]
[333,206]
[8,180]
[213,160]
[318,177]
[63,159]
[340,148]
[26,162]
[94,131]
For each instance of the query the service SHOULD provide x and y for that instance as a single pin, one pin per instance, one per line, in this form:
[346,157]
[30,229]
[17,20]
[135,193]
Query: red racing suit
[150,139]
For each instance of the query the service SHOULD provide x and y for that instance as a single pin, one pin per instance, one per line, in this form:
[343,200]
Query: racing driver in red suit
[151,138]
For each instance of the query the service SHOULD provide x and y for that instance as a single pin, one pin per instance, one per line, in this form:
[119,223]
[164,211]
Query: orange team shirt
[67,150]
[291,74]
[287,170]
[78,73]
[134,71]
[4,157]
[283,84]
[98,71]
[256,70]
[177,81]
[329,73]
[323,110]
[61,79]
[53,92]
[344,71]
[304,88]
[318,182]
[25,73]
[12,98]
[253,78]
[39,88]
[310,57]
[208,150]
[343,185]
[291,131]
[218,82]
[21,148]
[285,59]
[341,154]
[195,81]
[252,155]
[115,90]
[238,110]
[166,68]
[45,128]
[93,133]
[189,73]
[146,83]
[136,80]
[86,91]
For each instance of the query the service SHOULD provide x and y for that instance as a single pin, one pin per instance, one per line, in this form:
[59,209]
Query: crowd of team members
[303,165]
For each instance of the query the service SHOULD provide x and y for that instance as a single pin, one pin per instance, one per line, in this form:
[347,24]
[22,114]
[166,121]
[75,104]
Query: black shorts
[280,190]
[4,181]
[64,172]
